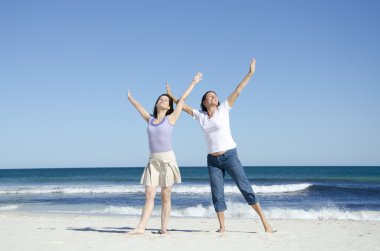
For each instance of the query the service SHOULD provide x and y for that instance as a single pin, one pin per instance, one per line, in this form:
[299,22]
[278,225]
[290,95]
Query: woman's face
[211,99]
[163,103]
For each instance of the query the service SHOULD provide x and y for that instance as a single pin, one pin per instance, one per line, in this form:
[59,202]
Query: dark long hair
[168,112]
[203,99]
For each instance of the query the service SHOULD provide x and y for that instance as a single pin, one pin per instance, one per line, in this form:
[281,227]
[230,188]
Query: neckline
[213,115]
[153,124]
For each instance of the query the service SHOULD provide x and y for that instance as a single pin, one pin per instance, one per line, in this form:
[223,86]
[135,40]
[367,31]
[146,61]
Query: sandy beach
[32,231]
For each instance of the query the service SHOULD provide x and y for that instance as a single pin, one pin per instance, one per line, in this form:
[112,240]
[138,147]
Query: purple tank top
[160,135]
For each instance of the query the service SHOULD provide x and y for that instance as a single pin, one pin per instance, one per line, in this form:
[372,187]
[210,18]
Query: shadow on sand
[121,230]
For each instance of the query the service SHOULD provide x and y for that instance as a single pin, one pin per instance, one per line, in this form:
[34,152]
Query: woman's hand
[129,94]
[235,94]
[144,114]
[252,66]
[198,77]
[168,90]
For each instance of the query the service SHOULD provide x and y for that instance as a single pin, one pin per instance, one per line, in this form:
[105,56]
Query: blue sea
[284,192]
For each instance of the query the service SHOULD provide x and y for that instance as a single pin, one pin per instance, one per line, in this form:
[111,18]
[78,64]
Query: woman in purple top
[162,169]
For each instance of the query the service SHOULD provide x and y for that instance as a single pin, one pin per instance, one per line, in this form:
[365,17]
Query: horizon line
[100,167]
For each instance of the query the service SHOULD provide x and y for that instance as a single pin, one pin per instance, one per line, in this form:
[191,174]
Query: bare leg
[166,207]
[259,211]
[150,193]
[221,222]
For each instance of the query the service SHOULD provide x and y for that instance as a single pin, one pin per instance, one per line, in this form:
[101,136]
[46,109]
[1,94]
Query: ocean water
[284,192]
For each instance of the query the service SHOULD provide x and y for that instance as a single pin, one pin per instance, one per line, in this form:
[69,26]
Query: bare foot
[163,232]
[268,228]
[221,230]
[136,231]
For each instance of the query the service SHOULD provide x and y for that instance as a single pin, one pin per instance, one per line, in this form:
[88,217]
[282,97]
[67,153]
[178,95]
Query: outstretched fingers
[168,90]
[253,65]
[198,77]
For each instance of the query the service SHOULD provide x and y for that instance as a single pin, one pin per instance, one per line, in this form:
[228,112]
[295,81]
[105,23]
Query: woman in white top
[222,156]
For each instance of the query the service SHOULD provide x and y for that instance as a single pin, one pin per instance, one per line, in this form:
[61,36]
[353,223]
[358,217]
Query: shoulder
[150,119]
[197,114]
[170,120]
[225,106]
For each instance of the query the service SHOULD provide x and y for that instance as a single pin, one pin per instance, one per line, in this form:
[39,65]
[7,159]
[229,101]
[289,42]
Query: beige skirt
[162,170]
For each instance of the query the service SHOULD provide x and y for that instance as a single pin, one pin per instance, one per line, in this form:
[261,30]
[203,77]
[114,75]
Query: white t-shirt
[216,129]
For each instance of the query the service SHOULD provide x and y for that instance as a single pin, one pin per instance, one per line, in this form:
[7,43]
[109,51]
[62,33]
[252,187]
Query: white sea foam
[116,189]
[197,211]
[241,210]
[281,188]
[72,189]
[8,207]
[326,213]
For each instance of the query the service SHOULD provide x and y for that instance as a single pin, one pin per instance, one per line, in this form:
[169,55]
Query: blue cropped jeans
[217,167]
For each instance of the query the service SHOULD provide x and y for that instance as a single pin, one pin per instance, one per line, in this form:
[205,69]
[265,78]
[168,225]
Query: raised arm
[185,107]
[144,114]
[181,101]
[235,94]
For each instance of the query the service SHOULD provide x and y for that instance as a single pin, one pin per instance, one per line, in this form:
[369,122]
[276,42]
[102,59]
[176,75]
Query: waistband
[226,153]
[164,155]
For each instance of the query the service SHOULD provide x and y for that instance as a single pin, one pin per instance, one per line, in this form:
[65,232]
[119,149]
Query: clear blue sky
[66,66]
